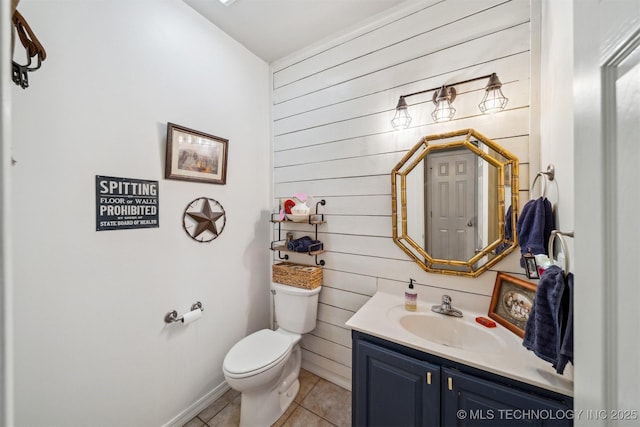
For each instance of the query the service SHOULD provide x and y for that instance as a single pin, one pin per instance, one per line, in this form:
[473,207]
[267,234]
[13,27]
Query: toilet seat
[257,353]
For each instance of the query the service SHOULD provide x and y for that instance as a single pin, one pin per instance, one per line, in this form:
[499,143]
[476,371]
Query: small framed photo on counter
[530,265]
[512,302]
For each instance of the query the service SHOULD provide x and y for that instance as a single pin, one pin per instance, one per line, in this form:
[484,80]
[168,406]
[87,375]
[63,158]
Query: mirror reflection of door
[450,192]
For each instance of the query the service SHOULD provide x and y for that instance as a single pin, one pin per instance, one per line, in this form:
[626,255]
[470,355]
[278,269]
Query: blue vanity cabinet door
[472,401]
[391,389]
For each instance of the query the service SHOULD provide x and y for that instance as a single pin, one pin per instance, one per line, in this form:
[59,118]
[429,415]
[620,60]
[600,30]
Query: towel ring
[559,234]
[549,175]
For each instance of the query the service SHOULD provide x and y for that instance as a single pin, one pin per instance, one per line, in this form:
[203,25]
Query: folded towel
[295,243]
[534,227]
[549,330]
[304,244]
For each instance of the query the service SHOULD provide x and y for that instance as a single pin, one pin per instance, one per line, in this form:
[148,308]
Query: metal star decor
[204,219]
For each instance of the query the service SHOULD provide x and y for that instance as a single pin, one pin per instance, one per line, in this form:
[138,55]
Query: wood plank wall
[332,138]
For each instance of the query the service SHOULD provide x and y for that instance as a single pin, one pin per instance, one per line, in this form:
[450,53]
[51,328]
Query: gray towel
[549,330]
[565,353]
[508,232]
[534,227]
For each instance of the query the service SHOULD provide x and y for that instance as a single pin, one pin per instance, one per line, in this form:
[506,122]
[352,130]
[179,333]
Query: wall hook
[33,48]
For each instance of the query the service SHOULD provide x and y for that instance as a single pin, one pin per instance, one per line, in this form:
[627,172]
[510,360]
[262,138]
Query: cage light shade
[444,111]
[401,119]
[493,99]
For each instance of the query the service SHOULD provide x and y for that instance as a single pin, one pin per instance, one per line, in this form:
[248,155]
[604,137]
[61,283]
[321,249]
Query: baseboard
[201,404]
[327,374]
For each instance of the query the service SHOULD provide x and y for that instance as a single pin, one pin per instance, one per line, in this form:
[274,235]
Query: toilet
[264,366]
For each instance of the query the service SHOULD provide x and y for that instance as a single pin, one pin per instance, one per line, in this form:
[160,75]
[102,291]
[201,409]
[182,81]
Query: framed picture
[530,265]
[195,156]
[511,302]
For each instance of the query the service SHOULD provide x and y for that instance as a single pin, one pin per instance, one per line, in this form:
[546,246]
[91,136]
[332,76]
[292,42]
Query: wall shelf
[314,219]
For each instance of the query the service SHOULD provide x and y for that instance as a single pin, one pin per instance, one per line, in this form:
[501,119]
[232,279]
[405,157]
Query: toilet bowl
[265,365]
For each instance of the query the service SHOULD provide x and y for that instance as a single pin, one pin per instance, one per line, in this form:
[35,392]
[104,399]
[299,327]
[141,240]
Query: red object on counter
[486,322]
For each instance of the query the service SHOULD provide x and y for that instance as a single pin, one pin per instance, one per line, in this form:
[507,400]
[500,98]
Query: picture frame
[511,302]
[195,156]
[530,265]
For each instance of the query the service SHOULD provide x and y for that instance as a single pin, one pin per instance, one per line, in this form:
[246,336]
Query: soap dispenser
[410,297]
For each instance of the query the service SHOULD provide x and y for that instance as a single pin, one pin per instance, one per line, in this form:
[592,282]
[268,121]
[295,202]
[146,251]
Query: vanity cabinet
[391,389]
[395,385]
[488,403]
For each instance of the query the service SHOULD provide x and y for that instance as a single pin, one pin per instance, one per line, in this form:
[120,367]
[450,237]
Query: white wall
[91,346]
[556,110]
[332,107]
[6,284]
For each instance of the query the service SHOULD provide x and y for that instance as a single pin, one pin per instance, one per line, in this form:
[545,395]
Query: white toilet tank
[296,308]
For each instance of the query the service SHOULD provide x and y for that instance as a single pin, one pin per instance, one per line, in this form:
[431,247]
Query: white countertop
[514,361]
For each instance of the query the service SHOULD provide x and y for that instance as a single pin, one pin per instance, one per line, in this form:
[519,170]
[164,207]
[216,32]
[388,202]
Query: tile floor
[319,403]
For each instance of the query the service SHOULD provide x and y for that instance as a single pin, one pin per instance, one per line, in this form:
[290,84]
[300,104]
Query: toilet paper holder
[172,316]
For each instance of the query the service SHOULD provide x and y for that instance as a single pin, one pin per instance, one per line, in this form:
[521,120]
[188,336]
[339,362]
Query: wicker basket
[298,275]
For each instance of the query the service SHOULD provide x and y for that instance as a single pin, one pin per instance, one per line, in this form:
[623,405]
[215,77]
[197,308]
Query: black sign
[123,203]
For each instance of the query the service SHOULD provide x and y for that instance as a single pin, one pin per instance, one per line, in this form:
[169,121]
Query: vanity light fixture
[226,2]
[443,96]
[444,110]
[493,100]
[402,119]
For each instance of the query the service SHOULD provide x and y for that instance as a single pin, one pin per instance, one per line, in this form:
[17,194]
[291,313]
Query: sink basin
[462,333]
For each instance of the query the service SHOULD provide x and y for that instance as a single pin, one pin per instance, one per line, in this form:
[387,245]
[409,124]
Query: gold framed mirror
[455,196]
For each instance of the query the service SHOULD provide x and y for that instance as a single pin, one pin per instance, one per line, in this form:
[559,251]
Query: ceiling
[273,29]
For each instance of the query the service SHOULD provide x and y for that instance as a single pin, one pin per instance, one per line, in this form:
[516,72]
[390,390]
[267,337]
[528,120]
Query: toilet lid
[257,352]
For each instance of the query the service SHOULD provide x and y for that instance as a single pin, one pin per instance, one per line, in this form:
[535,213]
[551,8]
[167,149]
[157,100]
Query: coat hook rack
[33,48]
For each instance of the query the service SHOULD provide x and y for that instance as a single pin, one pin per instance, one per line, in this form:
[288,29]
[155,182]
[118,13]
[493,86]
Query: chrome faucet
[445,307]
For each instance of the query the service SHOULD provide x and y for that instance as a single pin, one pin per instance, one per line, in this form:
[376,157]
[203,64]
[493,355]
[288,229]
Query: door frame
[6,341]
[595,302]
[610,143]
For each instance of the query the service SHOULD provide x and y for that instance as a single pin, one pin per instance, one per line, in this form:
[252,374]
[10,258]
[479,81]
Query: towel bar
[548,175]
[559,234]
